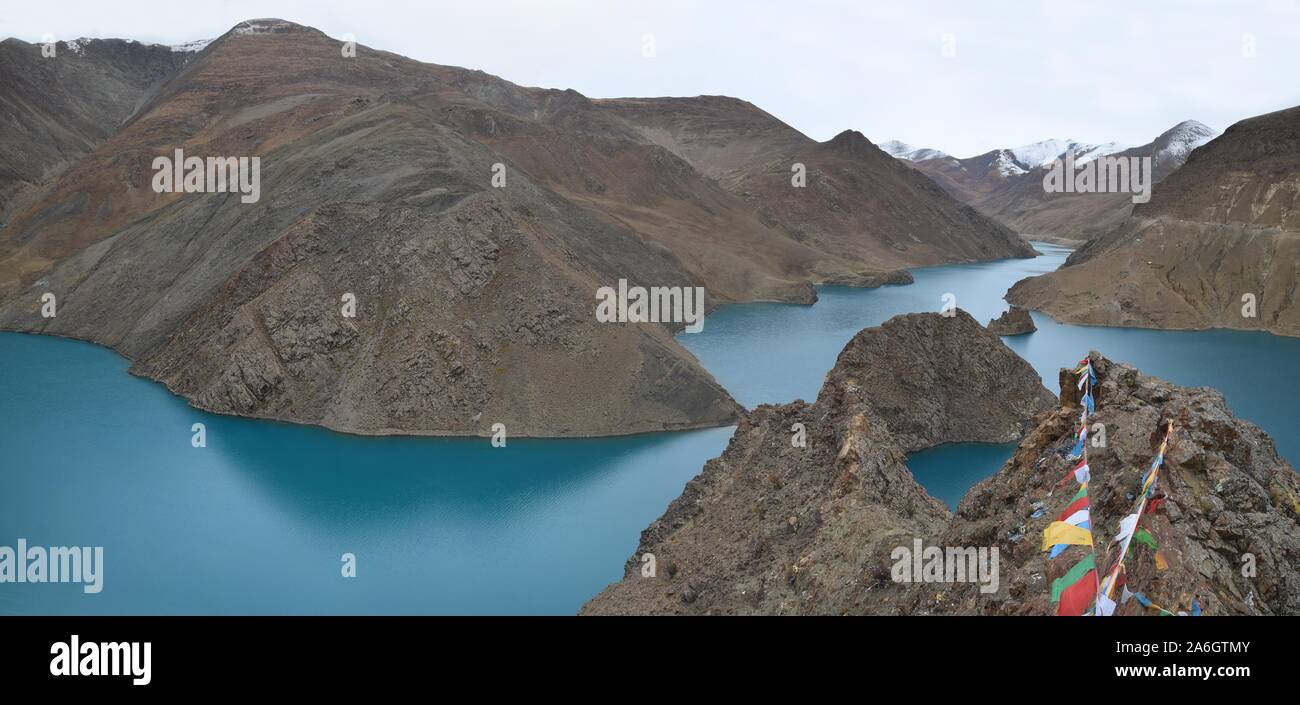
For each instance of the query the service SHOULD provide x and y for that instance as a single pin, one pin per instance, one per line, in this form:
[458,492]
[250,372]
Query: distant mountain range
[1218,242]
[1007,184]
[475,300]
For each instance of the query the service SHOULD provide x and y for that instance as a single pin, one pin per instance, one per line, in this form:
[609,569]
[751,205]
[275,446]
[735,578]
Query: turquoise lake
[256,522]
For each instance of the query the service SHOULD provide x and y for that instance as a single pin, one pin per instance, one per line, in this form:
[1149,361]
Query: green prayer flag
[1075,574]
[1144,537]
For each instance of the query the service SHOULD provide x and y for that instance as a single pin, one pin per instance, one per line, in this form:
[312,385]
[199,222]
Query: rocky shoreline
[468,222]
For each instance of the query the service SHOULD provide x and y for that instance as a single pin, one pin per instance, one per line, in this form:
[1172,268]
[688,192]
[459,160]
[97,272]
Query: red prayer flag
[1076,599]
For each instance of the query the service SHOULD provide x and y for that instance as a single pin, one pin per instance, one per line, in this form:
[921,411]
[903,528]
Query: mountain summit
[1007,184]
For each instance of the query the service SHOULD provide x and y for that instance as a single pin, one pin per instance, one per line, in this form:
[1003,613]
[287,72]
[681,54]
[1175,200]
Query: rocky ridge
[772,528]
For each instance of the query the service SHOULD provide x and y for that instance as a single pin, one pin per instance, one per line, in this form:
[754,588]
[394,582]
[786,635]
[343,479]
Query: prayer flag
[1059,532]
[1074,592]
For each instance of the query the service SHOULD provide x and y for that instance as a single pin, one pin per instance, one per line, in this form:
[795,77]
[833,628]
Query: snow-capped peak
[1006,163]
[1038,154]
[266,25]
[194,46]
[1087,153]
[1178,141]
[907,152]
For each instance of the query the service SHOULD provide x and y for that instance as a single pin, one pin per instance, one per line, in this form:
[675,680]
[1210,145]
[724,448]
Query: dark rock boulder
[1014,321]
[776,526]
[936,379]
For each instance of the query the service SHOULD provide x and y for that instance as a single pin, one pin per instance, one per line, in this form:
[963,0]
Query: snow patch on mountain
[907,152]
[1089,152]
[1007,164]
[1177,144]
[194,46]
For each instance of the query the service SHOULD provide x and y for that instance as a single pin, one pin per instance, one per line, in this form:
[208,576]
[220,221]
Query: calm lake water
[256,522]
[779,352]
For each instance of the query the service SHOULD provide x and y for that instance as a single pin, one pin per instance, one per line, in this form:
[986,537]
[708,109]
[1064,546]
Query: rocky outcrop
[872,280]
[770,527]
[1013,321]
[1218,246]
[930,379]
[1226,527]
[780,525]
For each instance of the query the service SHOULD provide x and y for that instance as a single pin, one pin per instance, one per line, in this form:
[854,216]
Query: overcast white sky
[1097,71]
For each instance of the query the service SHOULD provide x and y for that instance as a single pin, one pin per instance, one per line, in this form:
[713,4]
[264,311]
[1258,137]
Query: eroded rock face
[455,314]
[931,379]
[1230,506]
[1013,321]
[771,527]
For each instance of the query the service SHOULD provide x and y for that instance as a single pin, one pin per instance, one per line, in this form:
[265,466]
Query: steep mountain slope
[1007,184]
[771,528]
[475,305]
[858,203]
[1222,229]
[56,109]
[476,299]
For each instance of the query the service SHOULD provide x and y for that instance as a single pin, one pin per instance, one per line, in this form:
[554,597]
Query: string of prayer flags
[1077,452]
[1105,606]
[1126,527]
[1146,602]
[1076,593]
[1075,514]
[1081,472]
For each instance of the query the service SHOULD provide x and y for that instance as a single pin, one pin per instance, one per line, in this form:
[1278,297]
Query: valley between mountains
[475,302]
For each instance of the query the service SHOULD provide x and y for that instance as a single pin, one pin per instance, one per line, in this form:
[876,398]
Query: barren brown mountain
[57,109]
[1219,240]
[770,527]
[475,303]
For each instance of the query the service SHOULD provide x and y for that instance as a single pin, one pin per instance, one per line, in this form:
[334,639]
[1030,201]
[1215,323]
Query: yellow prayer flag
[1161,564]
[1061,532]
